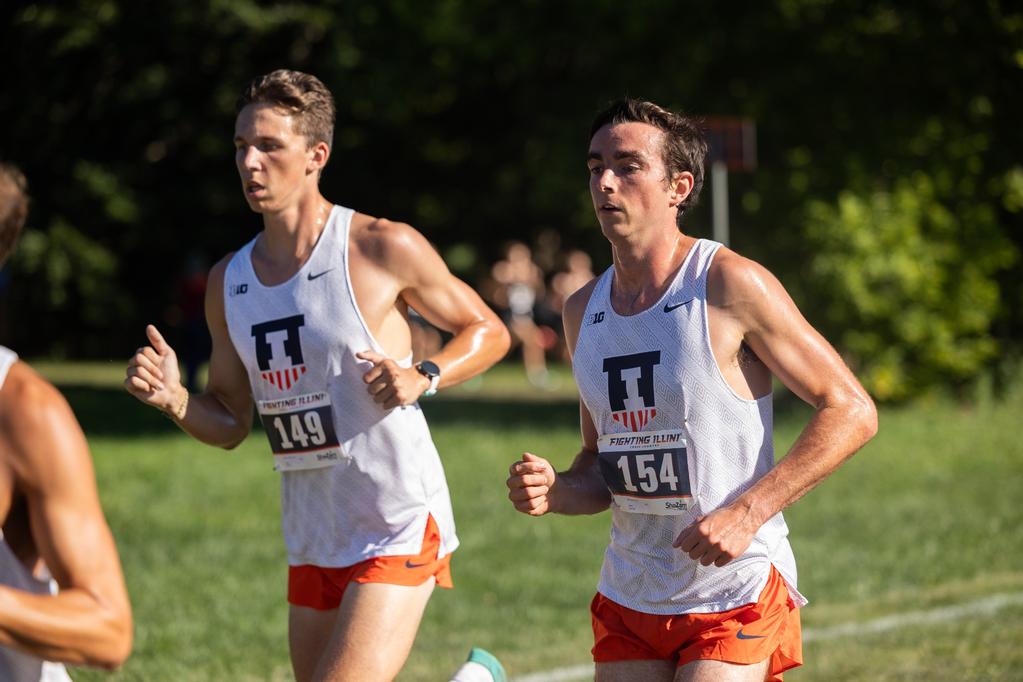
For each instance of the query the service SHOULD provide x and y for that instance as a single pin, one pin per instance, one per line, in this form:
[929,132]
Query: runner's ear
[681,186]
[319,155]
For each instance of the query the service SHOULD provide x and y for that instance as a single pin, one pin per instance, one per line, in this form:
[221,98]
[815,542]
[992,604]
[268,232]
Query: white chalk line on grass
[942,614]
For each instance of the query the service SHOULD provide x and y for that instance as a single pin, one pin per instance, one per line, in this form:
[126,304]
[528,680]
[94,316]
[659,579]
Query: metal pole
[719,190]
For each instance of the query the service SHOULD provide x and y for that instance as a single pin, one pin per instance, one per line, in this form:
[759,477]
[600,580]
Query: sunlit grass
[926,515]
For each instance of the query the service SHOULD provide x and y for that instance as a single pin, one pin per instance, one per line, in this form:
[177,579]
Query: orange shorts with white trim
[322,588]
[768,628]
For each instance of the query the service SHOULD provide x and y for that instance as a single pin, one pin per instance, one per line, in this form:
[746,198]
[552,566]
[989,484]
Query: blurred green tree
[469,120]
[909,287]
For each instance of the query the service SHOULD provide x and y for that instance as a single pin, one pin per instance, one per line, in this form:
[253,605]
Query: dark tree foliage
[468,119]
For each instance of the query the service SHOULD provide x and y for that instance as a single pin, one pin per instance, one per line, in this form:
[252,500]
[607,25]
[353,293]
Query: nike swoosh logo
[409,564]
[740,635]
[668,308]
[311,276]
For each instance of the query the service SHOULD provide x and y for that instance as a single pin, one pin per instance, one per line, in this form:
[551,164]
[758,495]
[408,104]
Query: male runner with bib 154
[310,321]
[674,347]
[53,524]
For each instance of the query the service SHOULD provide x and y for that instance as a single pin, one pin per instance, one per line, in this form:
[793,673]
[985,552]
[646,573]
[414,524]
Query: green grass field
[928,515]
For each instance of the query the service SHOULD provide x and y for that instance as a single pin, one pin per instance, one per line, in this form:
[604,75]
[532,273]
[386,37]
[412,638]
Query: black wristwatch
[431,371]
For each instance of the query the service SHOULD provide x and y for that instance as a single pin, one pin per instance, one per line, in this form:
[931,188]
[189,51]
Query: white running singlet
[16,666]
[675,442]
[7,358]
[357,480]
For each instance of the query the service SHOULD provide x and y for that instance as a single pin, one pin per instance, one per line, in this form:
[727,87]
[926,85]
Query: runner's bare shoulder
[33,412]
[390,244]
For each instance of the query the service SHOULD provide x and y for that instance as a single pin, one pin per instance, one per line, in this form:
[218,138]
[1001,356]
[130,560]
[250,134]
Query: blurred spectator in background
[576,272]
[517,284]
[547,250]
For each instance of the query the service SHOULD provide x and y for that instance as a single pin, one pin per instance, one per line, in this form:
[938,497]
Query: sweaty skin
[756,331]
[392,267]
[51,512]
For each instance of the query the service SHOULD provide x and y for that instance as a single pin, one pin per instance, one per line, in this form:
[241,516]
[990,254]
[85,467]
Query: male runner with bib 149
[674,348]
[310,321]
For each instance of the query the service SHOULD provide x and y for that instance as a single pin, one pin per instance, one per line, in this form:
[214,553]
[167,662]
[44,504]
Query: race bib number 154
[647,473]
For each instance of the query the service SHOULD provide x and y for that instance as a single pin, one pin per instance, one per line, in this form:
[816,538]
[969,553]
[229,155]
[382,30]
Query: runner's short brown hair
[303,96]
[684,144]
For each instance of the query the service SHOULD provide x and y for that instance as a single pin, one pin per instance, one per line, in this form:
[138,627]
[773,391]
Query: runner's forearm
[471,351]
[207,419]
[580,489]
[73,626]
[833,435]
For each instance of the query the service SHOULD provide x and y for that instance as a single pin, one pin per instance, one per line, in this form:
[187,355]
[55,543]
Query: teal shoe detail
[488,661]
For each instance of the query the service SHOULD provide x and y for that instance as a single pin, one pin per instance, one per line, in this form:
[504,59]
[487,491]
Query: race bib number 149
[301,431]
[647,473]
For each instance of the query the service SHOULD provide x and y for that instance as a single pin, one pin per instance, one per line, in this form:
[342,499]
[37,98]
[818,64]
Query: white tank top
[676,442]
[16,666]
[7,358]
[357,480]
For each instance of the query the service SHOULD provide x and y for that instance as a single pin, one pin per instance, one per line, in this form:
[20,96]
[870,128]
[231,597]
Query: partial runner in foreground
[62,593]
[309,320]
[674,349]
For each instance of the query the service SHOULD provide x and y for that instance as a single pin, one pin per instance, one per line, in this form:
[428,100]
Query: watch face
[429,369]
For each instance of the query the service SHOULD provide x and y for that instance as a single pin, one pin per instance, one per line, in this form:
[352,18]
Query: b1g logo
[285,378]
[630,388]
